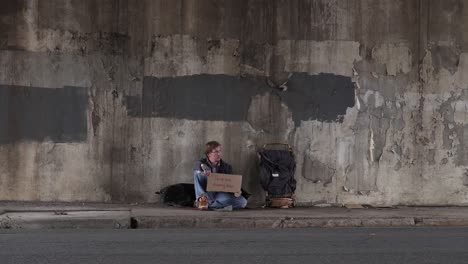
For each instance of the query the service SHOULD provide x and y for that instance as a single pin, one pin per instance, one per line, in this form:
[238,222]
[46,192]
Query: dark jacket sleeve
[197,165]
[227,168]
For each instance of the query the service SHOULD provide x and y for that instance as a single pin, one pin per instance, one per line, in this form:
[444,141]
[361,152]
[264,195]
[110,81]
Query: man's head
[213,151]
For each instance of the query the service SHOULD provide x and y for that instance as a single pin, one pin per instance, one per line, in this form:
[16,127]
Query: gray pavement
[122,216]
[311,245]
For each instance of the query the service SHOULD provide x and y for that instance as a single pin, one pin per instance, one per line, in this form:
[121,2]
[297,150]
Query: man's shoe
[223,209]
[202,202]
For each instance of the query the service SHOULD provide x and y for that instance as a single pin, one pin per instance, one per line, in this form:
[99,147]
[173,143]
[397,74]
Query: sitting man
[213,163]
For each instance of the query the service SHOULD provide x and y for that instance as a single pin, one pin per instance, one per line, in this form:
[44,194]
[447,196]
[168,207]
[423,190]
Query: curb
[440,221]
[66,220]
[114,219]
[68,224]
[209,222]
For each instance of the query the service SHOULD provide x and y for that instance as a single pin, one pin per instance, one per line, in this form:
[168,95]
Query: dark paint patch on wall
[323,97]
[444,57]
[197,97]
[11,7]
[8,17]
[39,114]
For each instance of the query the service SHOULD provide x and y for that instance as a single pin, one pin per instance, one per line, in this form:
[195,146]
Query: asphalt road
[337,245]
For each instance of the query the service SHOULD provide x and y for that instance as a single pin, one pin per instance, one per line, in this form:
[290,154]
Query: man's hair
[210,146]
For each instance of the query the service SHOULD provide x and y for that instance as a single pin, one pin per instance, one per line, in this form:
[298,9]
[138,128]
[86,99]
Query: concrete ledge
[66,220]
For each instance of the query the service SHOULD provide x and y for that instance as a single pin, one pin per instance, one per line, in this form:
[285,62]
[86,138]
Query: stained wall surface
[112,100]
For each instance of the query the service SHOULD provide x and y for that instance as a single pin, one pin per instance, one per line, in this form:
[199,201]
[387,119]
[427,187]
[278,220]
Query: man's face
[215,155]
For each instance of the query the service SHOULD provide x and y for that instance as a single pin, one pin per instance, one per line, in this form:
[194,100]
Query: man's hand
[205,169]
[237,194]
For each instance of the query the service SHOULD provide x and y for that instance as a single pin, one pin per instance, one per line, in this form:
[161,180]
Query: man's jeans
[216,199]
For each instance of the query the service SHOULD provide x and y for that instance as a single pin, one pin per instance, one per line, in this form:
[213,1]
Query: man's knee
[240,203]
[198,176]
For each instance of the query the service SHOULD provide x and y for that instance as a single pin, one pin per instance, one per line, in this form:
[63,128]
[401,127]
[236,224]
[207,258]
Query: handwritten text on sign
[218,182]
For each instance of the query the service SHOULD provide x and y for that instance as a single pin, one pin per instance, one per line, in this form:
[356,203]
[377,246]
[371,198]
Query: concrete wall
[111,100]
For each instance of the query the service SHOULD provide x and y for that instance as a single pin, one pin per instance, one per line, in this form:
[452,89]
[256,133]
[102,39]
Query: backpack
[277,169]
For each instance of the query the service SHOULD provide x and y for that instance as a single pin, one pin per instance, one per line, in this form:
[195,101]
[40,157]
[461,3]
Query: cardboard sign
[218,182]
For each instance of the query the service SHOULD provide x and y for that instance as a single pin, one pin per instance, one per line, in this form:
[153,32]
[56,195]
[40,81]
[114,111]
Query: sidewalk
[19,215]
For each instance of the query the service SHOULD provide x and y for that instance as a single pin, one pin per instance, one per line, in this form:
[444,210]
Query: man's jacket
[223,167]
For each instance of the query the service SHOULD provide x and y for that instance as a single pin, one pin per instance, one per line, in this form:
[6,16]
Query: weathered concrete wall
[112,100]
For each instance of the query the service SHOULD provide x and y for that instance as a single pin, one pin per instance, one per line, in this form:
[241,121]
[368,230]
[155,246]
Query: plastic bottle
[205,168]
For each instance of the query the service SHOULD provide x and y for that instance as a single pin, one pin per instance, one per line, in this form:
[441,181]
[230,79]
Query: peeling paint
[313,57]
[371,145]
[317,172]
[461,77]
[460,115]
[183,55]
[396,57]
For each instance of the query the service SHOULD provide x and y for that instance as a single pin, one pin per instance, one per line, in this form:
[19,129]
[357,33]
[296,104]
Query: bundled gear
[277,169]
[183,195]
[180,195]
